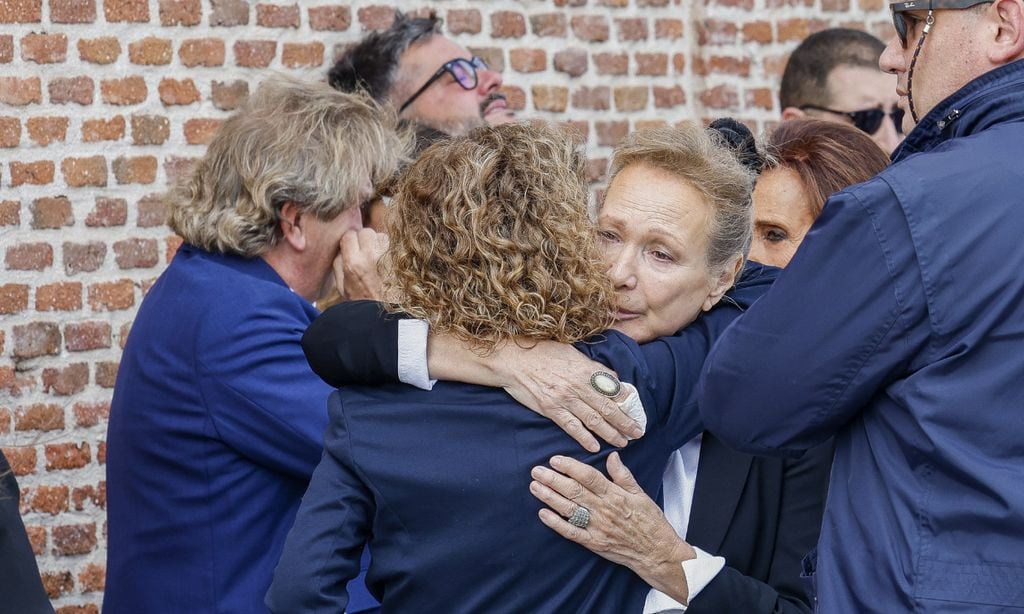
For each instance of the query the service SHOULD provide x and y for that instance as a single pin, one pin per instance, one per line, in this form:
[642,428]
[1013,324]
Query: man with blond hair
[217,421]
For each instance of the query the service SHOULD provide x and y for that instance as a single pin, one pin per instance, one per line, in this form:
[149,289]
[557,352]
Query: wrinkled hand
[626,526]
[355,268]
[553,379]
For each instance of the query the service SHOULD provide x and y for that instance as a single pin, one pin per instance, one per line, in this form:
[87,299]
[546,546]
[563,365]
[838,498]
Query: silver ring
[605,383]
[580,517]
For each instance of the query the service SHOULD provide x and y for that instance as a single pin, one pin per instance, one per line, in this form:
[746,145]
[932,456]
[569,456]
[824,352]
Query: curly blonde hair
[491,241]
[293,141]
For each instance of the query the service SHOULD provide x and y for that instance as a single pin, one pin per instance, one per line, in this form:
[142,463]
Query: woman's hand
[626,526]
[355,268]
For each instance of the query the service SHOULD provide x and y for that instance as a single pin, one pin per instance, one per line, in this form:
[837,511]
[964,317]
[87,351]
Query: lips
[497,105]
[622,315]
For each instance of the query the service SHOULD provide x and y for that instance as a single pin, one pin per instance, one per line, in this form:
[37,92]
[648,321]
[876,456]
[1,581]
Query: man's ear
[1006,20]
[725,280]
[792,113]
[290,223]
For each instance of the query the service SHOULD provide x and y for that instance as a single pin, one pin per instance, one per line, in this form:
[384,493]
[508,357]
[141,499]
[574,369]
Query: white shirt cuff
[699,573]
[412,354]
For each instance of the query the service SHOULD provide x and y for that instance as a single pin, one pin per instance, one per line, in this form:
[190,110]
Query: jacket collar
[995,97]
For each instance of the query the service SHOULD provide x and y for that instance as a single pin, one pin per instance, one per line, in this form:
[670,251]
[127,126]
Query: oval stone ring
[605,383]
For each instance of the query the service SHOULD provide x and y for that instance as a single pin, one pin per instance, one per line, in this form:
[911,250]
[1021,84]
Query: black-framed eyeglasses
[867,120]
[462,70]
[899,21]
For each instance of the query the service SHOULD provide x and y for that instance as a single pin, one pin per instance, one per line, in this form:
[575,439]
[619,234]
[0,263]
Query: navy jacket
[215,428]
[899,328]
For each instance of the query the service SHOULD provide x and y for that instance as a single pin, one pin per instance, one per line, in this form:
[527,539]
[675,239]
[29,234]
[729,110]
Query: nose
[757,251]
[891,60]
[488,81]
[622,270]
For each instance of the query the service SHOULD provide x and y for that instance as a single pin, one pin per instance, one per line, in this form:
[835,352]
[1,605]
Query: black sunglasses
[462,70]
[867,120]
[899,21]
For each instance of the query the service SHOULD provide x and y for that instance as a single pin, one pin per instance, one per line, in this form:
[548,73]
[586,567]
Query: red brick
[201,131]
[78,90]
[136,253]
[72,11]
[277,15]
[463,21]
[716,32]
[108,212]
[552,98]
[376,17]
[180,12]
[151,51]
[798,29]
[229,95]
[44,48]
[669,28]
[609,133]
[21,11]
[516,97]
[106,372]
[81,172]
[254,54]
[45,130]
[177,168]
[631,28]
[667,97]
[126,10]
[549,24]
[720,97]
[570,2]
[13,298]
[527,60]
[758,32]
[137,169]
[69,540]
[89,608]
[652,64]
[101,129]
[611,63]
[10,132]
[83,257]
[178,92]
[20,92]
[51,212]
[334,18]
[572,62]
[36,535]
[723,64]
[760,97]
[229,12]
[302,55]
[202,52]
[97,495]
[84,336]
[646,3]
[10,213]
[631,98]
[596,98]
[152,211]
[6,48]
[579,130]
[29,256]
[92,578]
[48,499]
[150,129]
[67,456]
[91,414]
[23,462]
[32,173]
[39,417]
[507,24]
[775,64]
[494,56]
[5,419]
[112,295]
[591,28]
[57,583]
[61,296]
[870,5]
[614,3]
[129,90]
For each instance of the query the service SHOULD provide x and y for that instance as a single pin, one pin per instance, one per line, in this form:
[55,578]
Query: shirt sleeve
[699,572]
[412,354]
[832,332]
[354,342]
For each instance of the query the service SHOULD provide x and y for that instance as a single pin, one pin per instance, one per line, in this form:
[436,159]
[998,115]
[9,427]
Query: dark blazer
[20,588]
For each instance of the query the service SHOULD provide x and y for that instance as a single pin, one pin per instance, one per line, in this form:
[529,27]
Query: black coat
[20,588]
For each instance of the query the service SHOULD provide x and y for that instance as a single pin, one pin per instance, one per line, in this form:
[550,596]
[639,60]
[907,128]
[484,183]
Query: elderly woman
[808,161]
[672,230]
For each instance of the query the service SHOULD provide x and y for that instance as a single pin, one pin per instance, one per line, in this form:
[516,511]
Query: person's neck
[289,265]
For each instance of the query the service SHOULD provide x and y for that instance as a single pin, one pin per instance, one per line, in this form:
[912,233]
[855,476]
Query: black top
[21,591]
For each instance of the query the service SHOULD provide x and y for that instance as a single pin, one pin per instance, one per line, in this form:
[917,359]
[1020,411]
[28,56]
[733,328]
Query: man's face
[445,104]
[857,88]
[324,240]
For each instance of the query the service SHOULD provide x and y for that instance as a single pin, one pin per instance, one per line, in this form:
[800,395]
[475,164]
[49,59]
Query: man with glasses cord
[834,75]
[898,328]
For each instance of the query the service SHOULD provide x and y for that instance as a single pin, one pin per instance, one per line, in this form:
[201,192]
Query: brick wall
[103,102]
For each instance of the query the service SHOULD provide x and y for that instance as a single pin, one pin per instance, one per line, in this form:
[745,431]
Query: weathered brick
[23,461]
[97,495]
[84,336]
[507,24]
[376,17]
[151,51]
[83,257]
[590,28]
[669,28]
[112,295]
[651,64]
[760,97]
[91,414]
[13,298]
[549,24]
[44,48]
[102,129]
[229,95]
[72,11]
[29,256]
[69,540]
[631,28]
[516,97]
[89,608]
[202,52]
[39,417]
[229,12]
[798,29]
[152,211]
[10,132]
[679,63]
[126,91]
[758,32]
[6,48]
[527,60]
[716,32]
[254,53]
[57,583]
[51,212]
[81,172]
[19,92]
[597,98]
[609,133]
[21,11]
[333,18]
[78,90]
[65,381]
[136,253]
[631,98]
[150,129]
[106,372]
[277,15]
[724,64]
[36,535]
[464,21]
[32,173]
[108,212]
[10,213]
[135,169]
[572,62]
[720,97]
[60,296]
[200,131]
[178,92]
[302,55]
[611,63]
[177,168]
[48,499]
[92,578]
[180,12]
[126,10]
[494,56]
[67,456]
[552,98]
[46,130]
[667,97]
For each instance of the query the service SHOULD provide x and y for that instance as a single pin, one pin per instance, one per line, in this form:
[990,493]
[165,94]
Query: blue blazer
[215,428]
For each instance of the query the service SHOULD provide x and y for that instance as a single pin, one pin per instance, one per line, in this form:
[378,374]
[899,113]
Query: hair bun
[739,138]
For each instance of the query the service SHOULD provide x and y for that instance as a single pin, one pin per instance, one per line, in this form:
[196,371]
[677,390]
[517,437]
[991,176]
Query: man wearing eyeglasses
[834,75]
